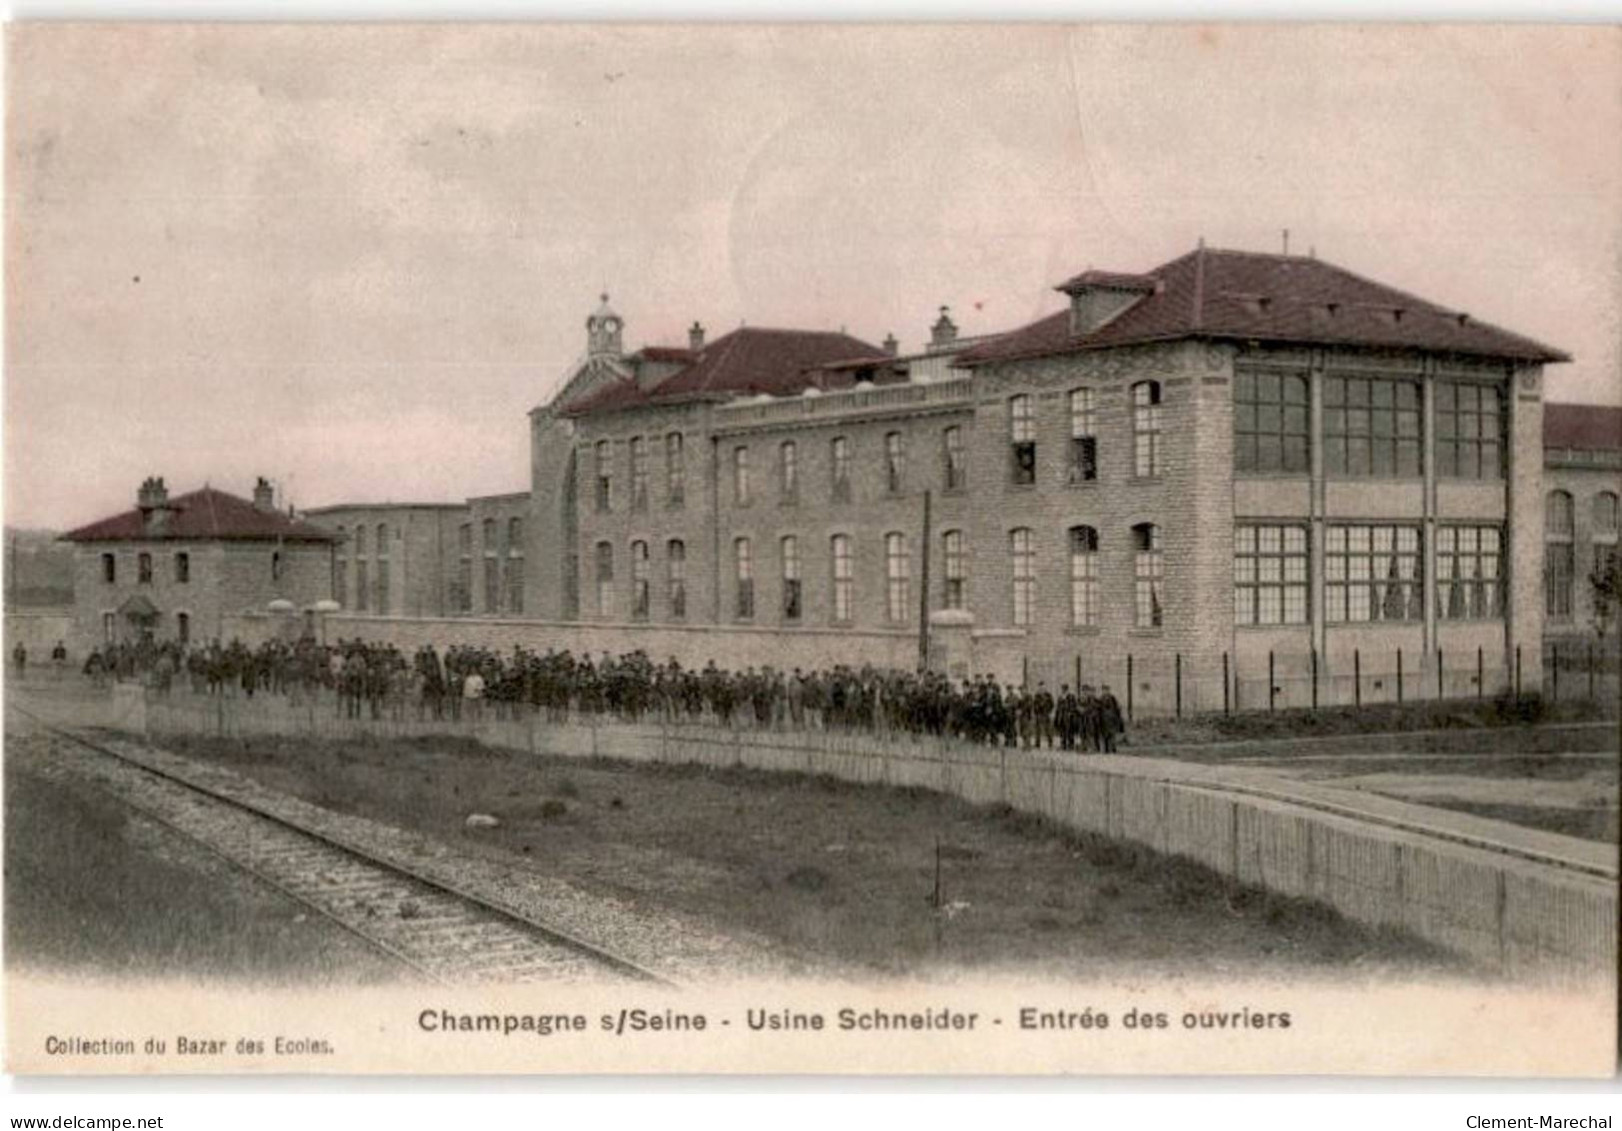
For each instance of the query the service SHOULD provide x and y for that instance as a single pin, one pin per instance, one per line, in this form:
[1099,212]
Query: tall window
[639,474]
[1022,555]
[515,565]
[1604,507]
[844,577]
[1083,577]
[788,471]
[603,456]
[895,462]
[183,627]
[382,538]
[1270,423]
[675,471]
[143,568]
[740,476]
[954,574]
[464,571]
[183,568]
[492,567]
[839,460]
[1469,572]
[957,460]
[791,578]
[363,588]
[1269,575]
[1146,429]
[1149,572]
[676,578]
[898,577]
[1469,430]
[1083,465]
[1371,427]
[744,570]
[641,597]
[1372,573]
[275,566]
[1559,554]
[360,539]
[340,583]
[605,579]
[382,586]
[1021,439]
[109,568]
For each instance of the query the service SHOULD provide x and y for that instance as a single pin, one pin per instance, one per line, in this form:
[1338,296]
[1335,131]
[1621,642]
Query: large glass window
[1469,430]
[676,578]
[788,471]
[1270,575]
[839,461]
[1146,429]
[791,578]
[639,474]
[603,456]
[1022,558]
[1083,577]
[740,476]
[955,572]
[1559,554]
[1469,572]
[743,567]
[957,460]
[1083,437]
[1022,439]
[675,471]
[605,579]
[641,594]
[895,461]
[843,577]
[1371,427]
[1149,572]
[1372,573]
[898,576]
[1270,422]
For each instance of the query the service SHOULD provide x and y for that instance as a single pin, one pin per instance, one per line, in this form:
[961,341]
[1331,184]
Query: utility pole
[923,594]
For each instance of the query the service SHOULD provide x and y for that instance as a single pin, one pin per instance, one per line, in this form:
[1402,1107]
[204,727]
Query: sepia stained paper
[351,260]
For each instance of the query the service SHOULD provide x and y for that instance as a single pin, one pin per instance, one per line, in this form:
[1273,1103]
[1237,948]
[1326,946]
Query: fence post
[1517,671]
[1357,677]
[1179,682]
[1481,673]
[1440,693]
[1227,706]
[1399,677]
[1272,685]
[1129,686]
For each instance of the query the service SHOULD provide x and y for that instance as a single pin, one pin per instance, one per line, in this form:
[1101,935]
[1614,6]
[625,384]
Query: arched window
[640,596]
[788,471]
[1559,554]
[839,461]
[382,538]
[602,456]
[843,577]
[1149,570]
[639,474]
[1022,555]
[1604,507]
[1083,577]
[898,577]
[790,547]
[1146,428]
[743,562]
[183,627]
[957,460]
[675,471]
[676,578]
[1021,439]
[1083,437]
[955,572]
[605,579]
[740,476]
[895,461]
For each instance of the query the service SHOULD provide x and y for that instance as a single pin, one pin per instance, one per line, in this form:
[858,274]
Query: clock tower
[603,330]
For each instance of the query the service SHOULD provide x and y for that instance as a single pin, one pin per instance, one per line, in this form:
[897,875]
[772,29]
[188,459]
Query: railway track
[443,933]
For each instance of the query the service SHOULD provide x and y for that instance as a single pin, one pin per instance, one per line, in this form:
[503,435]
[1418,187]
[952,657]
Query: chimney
[153,501]
[944,332]
[695,336]
[264,495]
[891,346]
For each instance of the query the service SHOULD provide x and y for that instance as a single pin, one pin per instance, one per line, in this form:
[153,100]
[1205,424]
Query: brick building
[194,567]
[1582,480]
[394,559]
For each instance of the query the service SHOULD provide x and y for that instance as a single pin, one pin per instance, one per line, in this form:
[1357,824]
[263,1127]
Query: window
[340,583]
[382,538]
[844,577]
[143,568]
[744,570]
[957,460]
[1469,431]
[603,457]
[464,538]
[1469,572]
[1021,440]
[109,568]
[1023,558]
[898,576]
[1270,424]
[183,627]
[1149,572]
[183,569]
[676,578]
[675,472]
[791,578]
[275,566]
[740,476]
[1083,437]
[515,565]
[464,571]
[639,474]
[383,586]
[1146,429]
[1270,575]
[1083,577]
[487,533]
[641,596]
[895,461]
[363,588]
[1604,508]
[1371,427]
[109,630]
[840,461]
[788,471]
[360,539]
[1372,573]
[1559,554]
[492,584]
[605,579]
[954,573]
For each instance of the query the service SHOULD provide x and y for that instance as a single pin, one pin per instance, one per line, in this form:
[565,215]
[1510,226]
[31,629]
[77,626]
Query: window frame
[1148,577]
[897,578]
[1148,398]
[1265,418]
[1270,575]
[1081,542]
[1348,547]
[1022,440]
[1022,568]
[792,605]
[1486,596]
[842,571]
[1350,395]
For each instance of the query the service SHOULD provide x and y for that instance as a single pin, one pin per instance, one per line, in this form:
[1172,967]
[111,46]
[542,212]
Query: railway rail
[441,932]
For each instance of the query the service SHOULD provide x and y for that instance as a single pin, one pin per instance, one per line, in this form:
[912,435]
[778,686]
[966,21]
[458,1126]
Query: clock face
[612,325]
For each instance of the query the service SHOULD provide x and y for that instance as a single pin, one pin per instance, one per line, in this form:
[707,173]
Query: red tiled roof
[1586,427]
[206,515]
[618,394]
[1239,294]
[665,353]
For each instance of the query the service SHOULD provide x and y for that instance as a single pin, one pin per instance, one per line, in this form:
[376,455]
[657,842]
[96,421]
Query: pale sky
[353,258]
